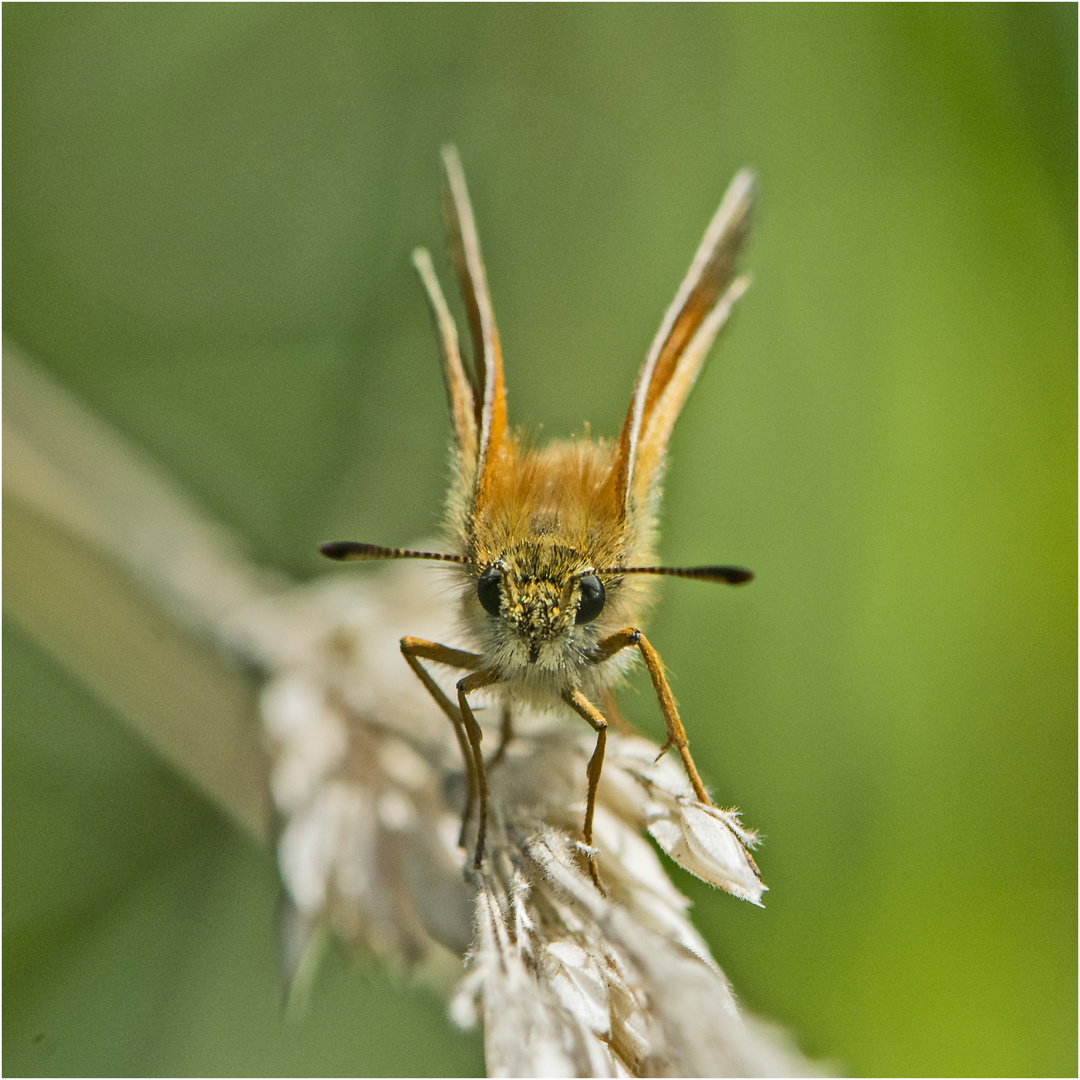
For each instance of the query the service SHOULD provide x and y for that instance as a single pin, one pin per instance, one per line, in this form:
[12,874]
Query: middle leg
[589,712]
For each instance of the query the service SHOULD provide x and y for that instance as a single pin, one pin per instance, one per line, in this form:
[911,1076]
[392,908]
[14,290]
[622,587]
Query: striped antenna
[725,575]
[350,551]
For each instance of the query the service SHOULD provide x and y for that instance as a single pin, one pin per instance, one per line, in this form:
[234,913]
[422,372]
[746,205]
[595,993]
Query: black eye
[592,598]
[489,591]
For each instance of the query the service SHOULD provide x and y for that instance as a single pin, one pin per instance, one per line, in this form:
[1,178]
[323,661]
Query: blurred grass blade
[100,557]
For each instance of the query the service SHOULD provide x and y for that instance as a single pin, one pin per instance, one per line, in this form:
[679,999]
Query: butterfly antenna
[350,551]
[725,575]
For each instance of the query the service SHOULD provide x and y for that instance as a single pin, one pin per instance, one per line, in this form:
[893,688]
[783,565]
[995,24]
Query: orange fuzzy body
[549,517]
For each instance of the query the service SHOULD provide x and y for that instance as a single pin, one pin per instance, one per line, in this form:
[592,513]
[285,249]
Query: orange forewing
[689,326]
[459,387]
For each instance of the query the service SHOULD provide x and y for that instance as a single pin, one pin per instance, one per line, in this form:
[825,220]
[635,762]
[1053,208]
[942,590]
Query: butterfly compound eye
[592,598]
[489,591]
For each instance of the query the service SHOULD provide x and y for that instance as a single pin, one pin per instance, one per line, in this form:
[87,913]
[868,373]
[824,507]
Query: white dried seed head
[576,978]
[308,736]
[708,846]
[370,784]
[368,840]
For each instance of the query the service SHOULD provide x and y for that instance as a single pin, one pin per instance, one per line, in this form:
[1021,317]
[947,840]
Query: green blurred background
[208,215]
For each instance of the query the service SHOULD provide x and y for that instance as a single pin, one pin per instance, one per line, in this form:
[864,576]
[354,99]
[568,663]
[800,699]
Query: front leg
[416,649]
[476,681]
[676,733]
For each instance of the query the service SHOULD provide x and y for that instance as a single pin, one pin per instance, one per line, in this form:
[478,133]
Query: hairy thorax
[548,523]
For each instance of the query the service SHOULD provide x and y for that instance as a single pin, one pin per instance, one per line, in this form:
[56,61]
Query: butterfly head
[537,605]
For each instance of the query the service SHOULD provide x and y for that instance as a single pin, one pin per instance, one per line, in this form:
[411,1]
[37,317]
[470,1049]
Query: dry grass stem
[368,787]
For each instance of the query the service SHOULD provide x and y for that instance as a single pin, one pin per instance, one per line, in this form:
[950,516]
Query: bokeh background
[208,215]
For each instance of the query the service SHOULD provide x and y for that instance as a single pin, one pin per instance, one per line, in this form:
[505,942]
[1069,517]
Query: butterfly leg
[477,681]
[590,713]
[676,733]
[416,649]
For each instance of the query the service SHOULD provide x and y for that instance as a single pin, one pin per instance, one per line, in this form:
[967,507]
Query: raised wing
[459,386]
[489,391]
[690,325]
